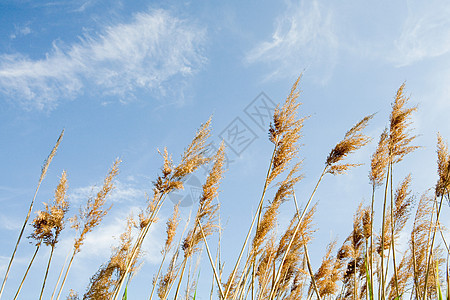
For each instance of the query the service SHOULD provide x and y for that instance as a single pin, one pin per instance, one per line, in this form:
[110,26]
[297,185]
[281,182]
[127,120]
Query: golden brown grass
[274,262]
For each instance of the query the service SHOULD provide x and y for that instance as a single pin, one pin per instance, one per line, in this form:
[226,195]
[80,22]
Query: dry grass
[274,262]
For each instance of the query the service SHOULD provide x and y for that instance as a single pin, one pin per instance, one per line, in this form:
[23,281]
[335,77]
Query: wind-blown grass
[274,262]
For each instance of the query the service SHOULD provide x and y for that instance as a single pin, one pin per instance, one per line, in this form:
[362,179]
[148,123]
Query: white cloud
[303,37]
[425,32]
[21,31]
[122,192]
[146,54]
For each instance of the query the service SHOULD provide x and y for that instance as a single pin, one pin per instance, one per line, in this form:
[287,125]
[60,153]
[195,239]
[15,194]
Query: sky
[126,78]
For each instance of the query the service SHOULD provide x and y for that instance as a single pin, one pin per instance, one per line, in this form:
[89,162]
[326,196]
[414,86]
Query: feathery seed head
[49,223]
[399,138]
[379,161]
[92,214]
[353,140]
[443,162]
[284,132]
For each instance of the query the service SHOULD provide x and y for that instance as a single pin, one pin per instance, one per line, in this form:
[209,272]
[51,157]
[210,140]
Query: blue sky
[124,78]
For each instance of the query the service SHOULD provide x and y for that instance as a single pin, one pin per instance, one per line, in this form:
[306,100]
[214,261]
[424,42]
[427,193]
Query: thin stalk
[308,263]
[217,262]
[60,275]
[392,238]
[448,280]
[277,277]
[265,281]
[371,238]
[176,253]
[233,274]
[137,245]
[65,276]
[416,278]
[26,273]
[188,281]
[382,283]
[46,272]
[243,280]
[431,248]
[311,272]
[183,267]
[211,261]
[157,274]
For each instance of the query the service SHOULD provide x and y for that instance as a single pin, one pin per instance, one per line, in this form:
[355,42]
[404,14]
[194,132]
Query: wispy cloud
[303,38]
[21,31]
[145,55]
[425,32]
[122,192]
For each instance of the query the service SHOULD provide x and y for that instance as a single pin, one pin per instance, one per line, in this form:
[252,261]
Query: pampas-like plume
[328,273]
[379,161]
[207,211]
[206,216]
[91,216]
[352,252]
[289,254]
[443,162]
[284,132]
[285,189]
[171,179]
[171,228]
[93,213]
[104,281]
[47,225]
[353,140]
[399,138]
[420,243]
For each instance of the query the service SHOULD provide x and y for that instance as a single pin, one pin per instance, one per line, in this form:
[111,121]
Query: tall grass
[273,262]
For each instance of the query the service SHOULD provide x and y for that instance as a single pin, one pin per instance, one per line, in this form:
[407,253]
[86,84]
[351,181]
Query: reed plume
[329,273]
[420,244]
[353,140]
[171,179]
[47,226]
[104,281]
[166,281]
[285,189]
[171,227]
[399,131]
[284,132]
[90,216]
[353,253]
[41,178]
[379,161]
[443,162]
[206,216]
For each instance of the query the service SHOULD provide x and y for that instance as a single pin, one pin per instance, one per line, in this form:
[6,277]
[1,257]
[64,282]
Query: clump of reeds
[274,262]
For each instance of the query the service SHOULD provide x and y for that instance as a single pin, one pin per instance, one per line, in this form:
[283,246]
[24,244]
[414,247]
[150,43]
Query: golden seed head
[353,140]
[379,161]
[399,138]
[443,162]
